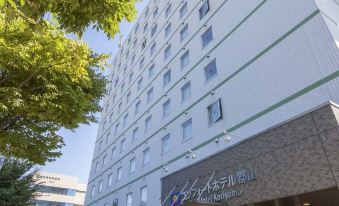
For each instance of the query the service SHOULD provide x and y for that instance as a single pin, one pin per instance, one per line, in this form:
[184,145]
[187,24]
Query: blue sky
[78,152]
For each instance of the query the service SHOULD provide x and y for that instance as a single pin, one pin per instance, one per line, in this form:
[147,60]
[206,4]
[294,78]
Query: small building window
[93,191]
[187,130]
[125,120]
[114,152]
[119,107]
[168,10]
[130,79]
[139,84]
[143,195]
[151,71]
[110,180]
[119,174]
[167,52]
[207,37]
[129,199]
[214,112]
[148,123]
[135,135]
[168,30]
[104,160]
[186,92]
[142,63]
[167,78]
[146,157]
[145,27]
[150,95]
[165,144]
[185,59]
[211,70]
[143,45]
[166,110]
[100,185]
[154,30]
[183,10]
[135,43]
[122,145]
[146,12]
[97,166]
[204,9]
[137,107]
[153,48]
[184,32]
[128,97]
[132,165]
[155,13]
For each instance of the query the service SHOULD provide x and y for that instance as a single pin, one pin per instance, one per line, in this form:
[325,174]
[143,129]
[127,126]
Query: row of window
[206,38]
[129,196]
[210,71]
[215,114]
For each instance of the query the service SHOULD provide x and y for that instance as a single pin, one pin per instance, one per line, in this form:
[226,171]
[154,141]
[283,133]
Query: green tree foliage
[47,81]
[76,15]
[18,185]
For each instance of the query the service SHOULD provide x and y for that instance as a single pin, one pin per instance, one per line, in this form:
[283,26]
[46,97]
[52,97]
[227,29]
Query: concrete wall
[299,156]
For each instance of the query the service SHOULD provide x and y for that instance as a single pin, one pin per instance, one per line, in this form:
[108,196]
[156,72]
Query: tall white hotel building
[191,70]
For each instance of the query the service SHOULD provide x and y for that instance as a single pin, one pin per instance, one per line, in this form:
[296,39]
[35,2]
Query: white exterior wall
[62,181]
[275,59]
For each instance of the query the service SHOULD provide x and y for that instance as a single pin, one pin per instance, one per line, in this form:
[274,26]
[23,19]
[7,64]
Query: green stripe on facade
[256,116]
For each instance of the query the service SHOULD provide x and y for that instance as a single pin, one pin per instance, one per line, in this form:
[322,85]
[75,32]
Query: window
[204,9]
[97,166]
[110,179]
[151,71]
[207,37]
[103,126]
[137,107]
[136,28]
[104,160]
[116,129]
[119,107]
[125,120]
[142,62]
[214,112]
[143,45]
[139,84]
[128,97]
[100,145]
[168,10]
[132,165]
[130,79]
[127,55]
[168,30]
[167,78]
[155,13]
[165,144]
[168,52]
[133,59]
[210,70]
[146,157]
[135,43]
[154,30]
[185,59]
[166,108]
[145,27]
[143,194]
[135,135]
[122,145]
[114,152]
[184,33]
[110,117]
[148,123]
[113,99]
[150,95]
[93,191]
[119,173]
[187,130]
[100,185]
[183,10]
[146,12]
[122,88]
[153,48]
[129,199]
[107,137]
[186,92]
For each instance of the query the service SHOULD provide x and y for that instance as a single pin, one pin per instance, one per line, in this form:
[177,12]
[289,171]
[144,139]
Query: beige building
[60,190]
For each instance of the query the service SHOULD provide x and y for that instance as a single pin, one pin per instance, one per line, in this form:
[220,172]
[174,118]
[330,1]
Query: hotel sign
[215,190]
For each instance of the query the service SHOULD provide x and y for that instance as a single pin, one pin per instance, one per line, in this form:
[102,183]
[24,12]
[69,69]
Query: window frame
[209,108]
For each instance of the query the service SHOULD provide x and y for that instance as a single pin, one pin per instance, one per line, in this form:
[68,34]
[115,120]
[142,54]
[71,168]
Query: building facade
[191,71]
[60,190]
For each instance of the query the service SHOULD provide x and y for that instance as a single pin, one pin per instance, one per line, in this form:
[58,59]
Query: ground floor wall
[297,157]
